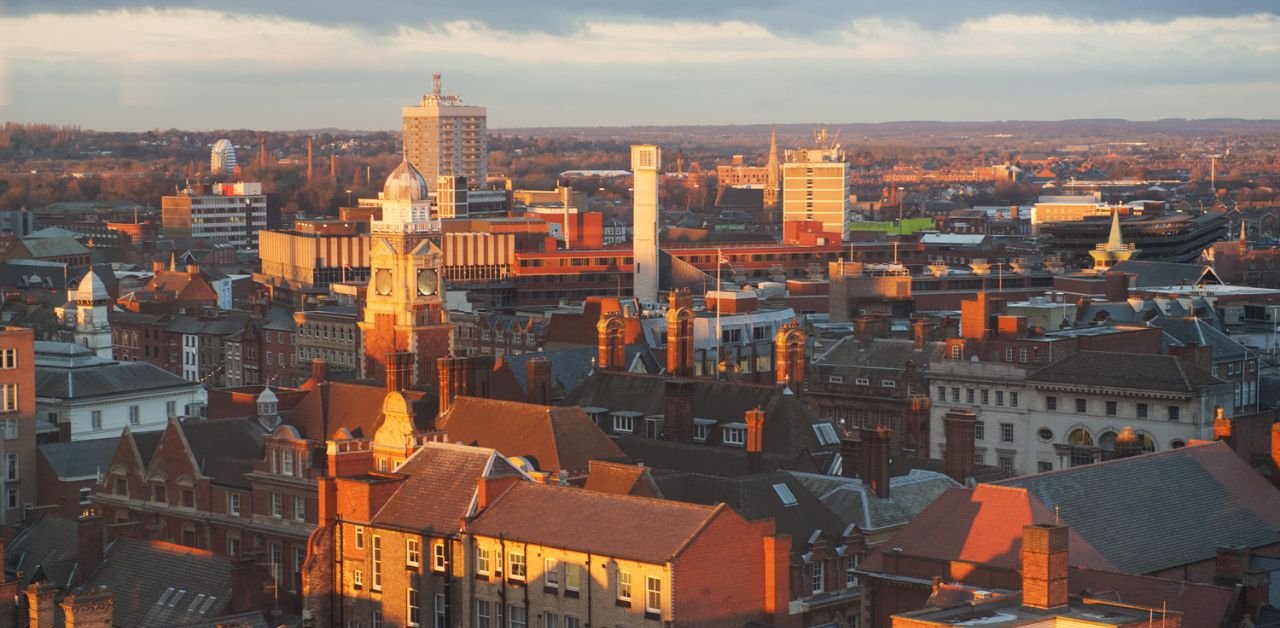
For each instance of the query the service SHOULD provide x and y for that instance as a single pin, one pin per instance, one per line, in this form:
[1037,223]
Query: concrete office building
[815,186]
[232,211]
[645,161]
[222,157]
[443,137]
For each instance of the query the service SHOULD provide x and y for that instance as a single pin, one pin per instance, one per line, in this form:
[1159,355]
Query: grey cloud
[798,18]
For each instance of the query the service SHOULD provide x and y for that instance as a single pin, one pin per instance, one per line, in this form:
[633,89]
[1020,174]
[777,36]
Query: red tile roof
[620,479]
[984,525]
[635,528]
[440,487]
[558,438]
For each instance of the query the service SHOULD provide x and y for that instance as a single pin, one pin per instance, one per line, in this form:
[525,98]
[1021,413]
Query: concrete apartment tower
[444,137]
[815,186]
[645,160]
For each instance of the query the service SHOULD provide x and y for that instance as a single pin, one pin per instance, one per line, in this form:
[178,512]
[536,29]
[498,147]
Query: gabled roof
[45,548]
[1165,274]
[788,426]
[637,528]
[556,438]
[356,406]
[856,503]
[982,526]
[620,479]
[140,574]
[1192,330]
[440,487]
[1164,373]
[1162,510]
[225,449]
[881,358]
[41,248]
[568,366]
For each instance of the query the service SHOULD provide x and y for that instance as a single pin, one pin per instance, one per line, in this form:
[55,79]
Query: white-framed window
[516,565]
[135,415]
[233,504]
[518,616]
[572,622]
[482,561]
[171,409]
[817,577]
[9,359]
[277,505]
[377,563]
[95,419]
[413,552]
[286,462]
[572,577]
[652,595]
[483,614]
[442,611]
[377,620]
[734,434]
[357,578]
[11,498]
[624,423]
[702,429]
[1006,432]
[415,610]
[11,466]
[359,537]
[888,383]
[10,429]
[851,571]
[438,561]
[233,546]
[9,403]
[624,585]
[299,508]
[835,379]
[551,574]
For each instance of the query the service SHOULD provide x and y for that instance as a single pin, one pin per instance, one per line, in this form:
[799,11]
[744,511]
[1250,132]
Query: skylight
[784,493]
[826,434]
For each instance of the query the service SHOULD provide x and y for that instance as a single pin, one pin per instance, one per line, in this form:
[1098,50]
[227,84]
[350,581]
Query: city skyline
[190,64]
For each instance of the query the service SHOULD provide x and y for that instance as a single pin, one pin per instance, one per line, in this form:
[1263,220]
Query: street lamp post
[348,198]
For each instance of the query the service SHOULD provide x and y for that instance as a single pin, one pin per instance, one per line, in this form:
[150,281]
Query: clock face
[428,282]
[382,282]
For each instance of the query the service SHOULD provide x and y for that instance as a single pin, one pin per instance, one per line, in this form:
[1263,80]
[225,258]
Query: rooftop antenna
[435,84]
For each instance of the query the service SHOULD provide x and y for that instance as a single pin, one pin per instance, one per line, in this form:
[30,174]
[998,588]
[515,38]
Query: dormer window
[888,383]
[286,462]
[835,379]
[734,434]
[702,429]
[862,381]
[624,422]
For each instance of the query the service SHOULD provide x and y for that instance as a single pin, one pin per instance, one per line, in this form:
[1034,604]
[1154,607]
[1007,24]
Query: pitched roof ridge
[1008,482]
[715,512]
[667,503]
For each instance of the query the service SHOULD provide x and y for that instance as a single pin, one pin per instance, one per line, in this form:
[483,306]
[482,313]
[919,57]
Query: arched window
[1082,449]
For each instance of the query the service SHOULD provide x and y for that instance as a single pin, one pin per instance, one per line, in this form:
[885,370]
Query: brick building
[18,419]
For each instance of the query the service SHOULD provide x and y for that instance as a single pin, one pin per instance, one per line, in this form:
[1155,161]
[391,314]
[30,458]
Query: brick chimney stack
[90,544]
[850,454]
[680,333]
[451,373]
[610,345]
[755,439]
[41,604]
[1275,453]
[399,371]
[678,409]
[479,375]
[88,610]
[319,371]
[1117,286]
[921,332]
[788,347]
[538,380]
[960,427]
[875,459]
[1044,566]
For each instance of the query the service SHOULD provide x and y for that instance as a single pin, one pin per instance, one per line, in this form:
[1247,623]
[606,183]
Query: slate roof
[43,548]
[42,248]
[1144,310]
[80,458]
[112,378]
[881,358]
[1189,330]
[1165,274]
[606,525]
[440,487]
[855,503]
[788,426]
[982,526]
[568,366]
[140,573]
[556,438]
[1164,373]
[225,449]
[1161,510]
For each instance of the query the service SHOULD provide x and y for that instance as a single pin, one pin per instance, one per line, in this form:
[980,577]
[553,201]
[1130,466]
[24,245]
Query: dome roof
[267,396]
[91,288]
[405,183]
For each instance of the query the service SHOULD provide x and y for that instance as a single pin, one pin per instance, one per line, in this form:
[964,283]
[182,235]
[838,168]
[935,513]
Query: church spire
[1115,242]
[772,172]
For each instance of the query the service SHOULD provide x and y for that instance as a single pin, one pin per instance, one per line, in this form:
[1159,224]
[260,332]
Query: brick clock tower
[404,305]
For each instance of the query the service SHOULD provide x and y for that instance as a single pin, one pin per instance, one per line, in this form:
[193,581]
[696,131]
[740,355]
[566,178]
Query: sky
[306,64]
